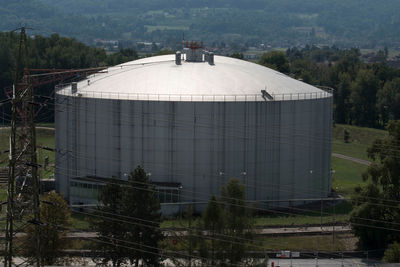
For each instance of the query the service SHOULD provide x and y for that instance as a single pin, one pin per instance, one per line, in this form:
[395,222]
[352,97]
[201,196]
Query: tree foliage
[375,212]
[128,220]
[229,224]
[55,219]
[362,23]
[239,222]
[392,253]
[191,246]
[365,94]
[140,201]
[214,223]
[275,60]
[111,229]
[53,52]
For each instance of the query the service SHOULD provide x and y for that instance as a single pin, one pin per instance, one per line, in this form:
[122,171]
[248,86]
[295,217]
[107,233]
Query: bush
[392,253]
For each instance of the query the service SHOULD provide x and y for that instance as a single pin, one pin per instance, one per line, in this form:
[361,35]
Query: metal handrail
[325,92]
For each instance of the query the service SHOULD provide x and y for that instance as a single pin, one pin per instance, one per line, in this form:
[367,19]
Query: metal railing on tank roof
[324,93]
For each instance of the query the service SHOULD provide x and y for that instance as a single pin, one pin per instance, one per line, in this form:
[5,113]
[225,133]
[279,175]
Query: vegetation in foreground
[127,222]
[53,226]
[376,214]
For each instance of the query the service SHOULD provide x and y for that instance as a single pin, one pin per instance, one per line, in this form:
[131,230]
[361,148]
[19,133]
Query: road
[353,262]
[360,161]
[263,231]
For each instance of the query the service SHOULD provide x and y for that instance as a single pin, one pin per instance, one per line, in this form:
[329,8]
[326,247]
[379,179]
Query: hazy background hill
[279,23]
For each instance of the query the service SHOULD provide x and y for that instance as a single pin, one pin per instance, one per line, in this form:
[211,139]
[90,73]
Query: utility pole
[22,201]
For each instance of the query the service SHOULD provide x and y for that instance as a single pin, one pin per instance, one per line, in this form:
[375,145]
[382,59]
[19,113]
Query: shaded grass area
[360,138]
[44,138]
[347,176]
[338,214]
[304,243]
[293,243]
[80,221]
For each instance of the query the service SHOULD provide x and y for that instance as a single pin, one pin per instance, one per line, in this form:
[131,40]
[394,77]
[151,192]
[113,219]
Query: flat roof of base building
[159,78]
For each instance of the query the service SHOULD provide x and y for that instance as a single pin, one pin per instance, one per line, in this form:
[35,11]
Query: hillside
[284,23]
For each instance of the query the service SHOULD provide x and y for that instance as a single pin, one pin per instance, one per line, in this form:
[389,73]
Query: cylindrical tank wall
[278,149]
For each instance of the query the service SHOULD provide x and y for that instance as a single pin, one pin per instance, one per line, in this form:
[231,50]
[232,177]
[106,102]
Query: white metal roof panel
[160,76]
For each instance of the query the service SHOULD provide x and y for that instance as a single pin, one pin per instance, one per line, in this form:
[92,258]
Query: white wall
[283,146]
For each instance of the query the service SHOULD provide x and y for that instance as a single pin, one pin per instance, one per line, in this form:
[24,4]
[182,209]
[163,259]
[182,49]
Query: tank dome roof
[160,76]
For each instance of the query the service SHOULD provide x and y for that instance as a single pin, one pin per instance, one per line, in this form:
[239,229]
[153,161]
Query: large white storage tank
[193,126]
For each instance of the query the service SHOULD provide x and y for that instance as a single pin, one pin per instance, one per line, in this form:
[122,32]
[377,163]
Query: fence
[325,92]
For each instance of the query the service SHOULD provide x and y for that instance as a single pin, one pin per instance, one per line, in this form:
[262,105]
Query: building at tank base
[193,121]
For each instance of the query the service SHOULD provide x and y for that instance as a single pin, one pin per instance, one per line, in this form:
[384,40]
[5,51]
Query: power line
[246,206]
[301,190]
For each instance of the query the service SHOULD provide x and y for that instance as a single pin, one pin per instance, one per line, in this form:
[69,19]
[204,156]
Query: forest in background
[51,52]
[365,94]
[279,23]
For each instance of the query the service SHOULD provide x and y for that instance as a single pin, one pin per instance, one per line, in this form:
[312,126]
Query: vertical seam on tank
[293,138]
[95,137]
[245,148]
[256,109]
[194,154]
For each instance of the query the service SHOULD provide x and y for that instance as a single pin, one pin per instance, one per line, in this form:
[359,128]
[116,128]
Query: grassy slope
[360,139]
[44,137]
[348,174]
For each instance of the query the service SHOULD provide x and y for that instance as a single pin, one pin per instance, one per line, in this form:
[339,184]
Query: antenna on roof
[183,40]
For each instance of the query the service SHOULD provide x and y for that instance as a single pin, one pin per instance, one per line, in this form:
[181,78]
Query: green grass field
[304,243]
[360,139]
[44,138]
[347,176]
[294,243]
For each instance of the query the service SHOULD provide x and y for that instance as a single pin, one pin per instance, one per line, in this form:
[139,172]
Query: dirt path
[360,161]
[37,127]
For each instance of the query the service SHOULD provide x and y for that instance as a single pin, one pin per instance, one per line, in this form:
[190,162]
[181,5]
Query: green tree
[374,213]
[141,202]
[111,245]
[237,55]
[275,60]
[55,217]
[190,243]
[392,253]
[214,223]
[389,101]
[363,98]
[342,98]
[124,55]
[239,223]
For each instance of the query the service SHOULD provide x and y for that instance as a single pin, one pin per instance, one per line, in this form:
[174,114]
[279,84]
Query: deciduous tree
[55,218]
[376,213]
[109,224]
[141,203]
